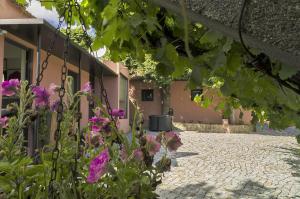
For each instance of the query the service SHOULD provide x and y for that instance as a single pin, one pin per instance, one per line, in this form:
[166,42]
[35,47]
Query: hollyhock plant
[42,97]
[123,154]
[98,166]
[118,113]
[10,87]
[54,105]
[172,140]
[96,128]
[138,154]
[53,88]
[87,88]
[99,120]
[152,145]
[3,122]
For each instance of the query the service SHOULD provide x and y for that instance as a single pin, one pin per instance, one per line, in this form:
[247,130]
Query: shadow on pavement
[295,161]
[253,190]
[199,190]
[184,154]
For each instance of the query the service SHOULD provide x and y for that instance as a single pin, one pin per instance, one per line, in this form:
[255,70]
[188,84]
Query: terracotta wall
[10,10]
[185,110]
[52,73]
[1,63]
[112,85]
[146,107]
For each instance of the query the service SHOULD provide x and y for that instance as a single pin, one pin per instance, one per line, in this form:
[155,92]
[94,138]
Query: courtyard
[233,166]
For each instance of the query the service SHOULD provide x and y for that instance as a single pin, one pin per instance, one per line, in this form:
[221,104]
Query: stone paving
[233,166]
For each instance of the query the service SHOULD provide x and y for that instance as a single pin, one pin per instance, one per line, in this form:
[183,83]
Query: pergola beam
[269,36]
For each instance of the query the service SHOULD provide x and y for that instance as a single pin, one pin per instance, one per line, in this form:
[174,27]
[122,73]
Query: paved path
[234,166]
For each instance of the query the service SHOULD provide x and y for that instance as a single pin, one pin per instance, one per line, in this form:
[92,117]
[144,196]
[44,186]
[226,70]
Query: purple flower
[41,97]
[173,141]
[96,128]
[98,166]
[118,113]
[10,87]
[138,154]
[152,145]
[99,120]
[3,122]
[87,88]
[54,105]
[107,128]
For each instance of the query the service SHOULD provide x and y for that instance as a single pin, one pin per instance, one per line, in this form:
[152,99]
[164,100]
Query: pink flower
[98,166]
[138,154]
[99,120]
[96,128]
[3,122]
[173,141]
[10,87]
[152,145]
[42,97]
[118,113]
[53,88]
[87,88]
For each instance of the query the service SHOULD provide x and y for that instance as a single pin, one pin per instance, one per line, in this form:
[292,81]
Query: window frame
[143,95]
[127,95]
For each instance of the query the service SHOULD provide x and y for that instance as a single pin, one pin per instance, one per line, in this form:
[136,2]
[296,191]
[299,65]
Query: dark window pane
[147,95]
[196,92]
[123,100]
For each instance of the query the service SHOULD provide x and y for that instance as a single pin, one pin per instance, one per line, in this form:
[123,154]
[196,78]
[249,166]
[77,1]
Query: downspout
[34,134]
[2,34]
[79,86]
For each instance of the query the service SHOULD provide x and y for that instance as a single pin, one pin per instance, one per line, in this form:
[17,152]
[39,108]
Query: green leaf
[211,37]
[5,167]
[287,71]
[227,45]
[5,184]
[219,60]
[234,62]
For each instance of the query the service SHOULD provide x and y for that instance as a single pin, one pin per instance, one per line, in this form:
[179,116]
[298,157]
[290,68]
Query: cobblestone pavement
[234,166]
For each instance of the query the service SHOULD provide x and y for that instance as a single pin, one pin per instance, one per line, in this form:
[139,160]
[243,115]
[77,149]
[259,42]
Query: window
[17,65]
[75,81]
[196,92]
[123,93]
[147,95]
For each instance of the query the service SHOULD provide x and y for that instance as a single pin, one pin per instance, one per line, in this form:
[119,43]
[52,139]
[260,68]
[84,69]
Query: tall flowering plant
[96,161]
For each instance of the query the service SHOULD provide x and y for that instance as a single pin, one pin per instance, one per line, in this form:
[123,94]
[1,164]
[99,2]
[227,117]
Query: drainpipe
[34,134]
[79,86]
[2,34]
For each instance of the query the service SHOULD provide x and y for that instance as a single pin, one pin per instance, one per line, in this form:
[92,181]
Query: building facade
[24,41]
[149,99]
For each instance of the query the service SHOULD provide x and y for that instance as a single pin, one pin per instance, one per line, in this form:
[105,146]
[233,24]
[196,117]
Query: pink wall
[52,73]
[185,110]
[146,107]
[1,63]
[112,85]
[9,10]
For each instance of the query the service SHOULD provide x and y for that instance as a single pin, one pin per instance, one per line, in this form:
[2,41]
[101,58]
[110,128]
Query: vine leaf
[211,37]
[287,71]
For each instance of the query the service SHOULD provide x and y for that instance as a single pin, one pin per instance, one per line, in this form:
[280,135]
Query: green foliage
[126,175]
[138,28]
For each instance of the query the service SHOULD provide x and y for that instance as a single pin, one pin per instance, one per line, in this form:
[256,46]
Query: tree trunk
[165,99]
